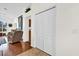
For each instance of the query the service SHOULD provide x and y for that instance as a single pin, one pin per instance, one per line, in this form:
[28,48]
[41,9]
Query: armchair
[15,36]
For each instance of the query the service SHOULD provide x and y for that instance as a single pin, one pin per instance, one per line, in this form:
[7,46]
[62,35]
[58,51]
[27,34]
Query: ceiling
[12,9]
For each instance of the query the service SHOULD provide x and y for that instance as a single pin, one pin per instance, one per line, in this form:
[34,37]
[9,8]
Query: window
[20,22]
[3,26]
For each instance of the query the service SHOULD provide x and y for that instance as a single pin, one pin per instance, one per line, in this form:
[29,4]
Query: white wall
[10,21]
[67,30]
[64,29]
[75,29]
[26,28]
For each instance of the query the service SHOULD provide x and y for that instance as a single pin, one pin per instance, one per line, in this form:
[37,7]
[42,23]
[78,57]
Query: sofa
[15,36]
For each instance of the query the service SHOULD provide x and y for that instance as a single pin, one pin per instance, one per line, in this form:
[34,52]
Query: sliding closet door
[39,32]
[46,30]
[49,31]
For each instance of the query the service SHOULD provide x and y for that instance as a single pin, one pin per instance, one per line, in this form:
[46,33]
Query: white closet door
[46,30]
[39,33]
[49,31]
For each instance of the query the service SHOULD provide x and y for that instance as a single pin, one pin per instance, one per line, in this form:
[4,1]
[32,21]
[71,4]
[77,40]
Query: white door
[39,33]
[46,30]
[49,31]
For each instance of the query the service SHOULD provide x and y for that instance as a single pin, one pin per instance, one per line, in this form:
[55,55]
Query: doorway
[30,31]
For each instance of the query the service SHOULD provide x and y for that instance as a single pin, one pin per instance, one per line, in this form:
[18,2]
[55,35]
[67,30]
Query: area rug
[33,52]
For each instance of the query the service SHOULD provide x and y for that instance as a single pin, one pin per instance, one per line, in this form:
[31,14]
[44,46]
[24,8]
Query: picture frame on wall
[20,22]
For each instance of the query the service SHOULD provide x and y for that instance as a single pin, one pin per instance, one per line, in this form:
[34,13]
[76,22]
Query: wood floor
[14,49]
[34,52]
